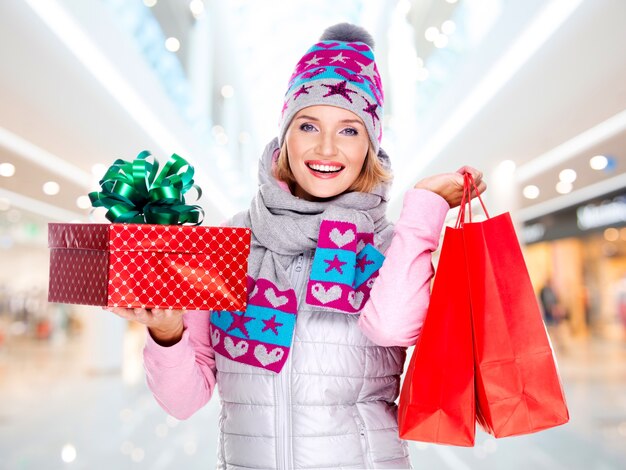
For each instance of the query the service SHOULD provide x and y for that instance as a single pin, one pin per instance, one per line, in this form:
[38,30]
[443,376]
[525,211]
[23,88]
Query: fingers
[451,186]
[471,170]
[127,313]
[477,175]
[145,316]
[161,313]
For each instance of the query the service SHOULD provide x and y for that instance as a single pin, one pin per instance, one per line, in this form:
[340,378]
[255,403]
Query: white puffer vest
[331,407]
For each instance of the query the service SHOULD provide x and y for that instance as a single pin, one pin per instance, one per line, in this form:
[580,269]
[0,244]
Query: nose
[327,146]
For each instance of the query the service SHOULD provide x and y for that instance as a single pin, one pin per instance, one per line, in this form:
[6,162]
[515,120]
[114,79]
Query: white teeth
[325,168]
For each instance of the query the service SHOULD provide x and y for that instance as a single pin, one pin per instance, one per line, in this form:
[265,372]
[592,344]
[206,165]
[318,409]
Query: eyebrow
[345,121]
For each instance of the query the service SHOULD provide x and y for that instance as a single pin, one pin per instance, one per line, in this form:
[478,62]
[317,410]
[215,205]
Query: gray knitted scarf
[348,233]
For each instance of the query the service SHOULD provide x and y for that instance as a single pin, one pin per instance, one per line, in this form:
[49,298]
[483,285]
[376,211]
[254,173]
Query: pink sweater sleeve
[182,377]
[395,311]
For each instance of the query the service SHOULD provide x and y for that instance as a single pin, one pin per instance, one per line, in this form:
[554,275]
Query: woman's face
[327,147]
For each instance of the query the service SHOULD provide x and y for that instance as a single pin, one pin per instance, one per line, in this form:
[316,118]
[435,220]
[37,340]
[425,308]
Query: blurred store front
[581,251]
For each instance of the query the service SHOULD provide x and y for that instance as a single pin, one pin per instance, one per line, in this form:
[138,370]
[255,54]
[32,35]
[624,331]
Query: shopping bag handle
[466,200]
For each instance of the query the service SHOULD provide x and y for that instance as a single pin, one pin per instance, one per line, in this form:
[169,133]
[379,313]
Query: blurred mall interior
[532,92]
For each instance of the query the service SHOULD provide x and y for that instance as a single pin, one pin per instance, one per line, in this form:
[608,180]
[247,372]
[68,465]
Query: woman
[309,373]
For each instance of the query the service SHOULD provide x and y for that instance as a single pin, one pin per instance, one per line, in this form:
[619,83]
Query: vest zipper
[283,392]
[364,443]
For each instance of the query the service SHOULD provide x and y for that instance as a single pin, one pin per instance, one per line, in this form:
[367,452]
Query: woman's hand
[165,325]
[450,185]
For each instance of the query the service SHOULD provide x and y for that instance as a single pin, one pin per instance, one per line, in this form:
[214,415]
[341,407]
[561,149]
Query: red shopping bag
[437,399]
[518,389]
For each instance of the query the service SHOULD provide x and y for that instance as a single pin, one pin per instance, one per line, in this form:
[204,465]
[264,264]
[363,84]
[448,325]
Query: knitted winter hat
[339,71]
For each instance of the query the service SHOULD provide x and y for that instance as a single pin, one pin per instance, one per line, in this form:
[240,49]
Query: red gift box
[143,265]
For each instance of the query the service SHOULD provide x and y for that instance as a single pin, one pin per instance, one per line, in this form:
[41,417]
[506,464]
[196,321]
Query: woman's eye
[307,127]
[350,131]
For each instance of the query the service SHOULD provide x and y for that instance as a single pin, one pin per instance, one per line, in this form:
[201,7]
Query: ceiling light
[431,33]
[222,139]
[109,74]
[138,454]
[51,188]
[567,176]
[507,166]
[172,44]
[611,234]
[403,7]
[7,169]
[448,27]
[196,7]
[39,156]
[604,131]
[228,91]
[83,202]
[599,162]
[441,41]
[563,187]
[244,137]
[149,3]
[98,170]
[543,25]
[531,192]
[68,453]
[37,206]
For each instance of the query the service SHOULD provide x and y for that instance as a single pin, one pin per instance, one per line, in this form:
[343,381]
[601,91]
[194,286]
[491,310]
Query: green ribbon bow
[136,192]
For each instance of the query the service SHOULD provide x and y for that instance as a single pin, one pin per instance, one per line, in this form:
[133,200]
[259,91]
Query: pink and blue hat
[339,70]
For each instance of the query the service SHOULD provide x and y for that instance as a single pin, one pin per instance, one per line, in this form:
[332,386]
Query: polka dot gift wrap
[144,265]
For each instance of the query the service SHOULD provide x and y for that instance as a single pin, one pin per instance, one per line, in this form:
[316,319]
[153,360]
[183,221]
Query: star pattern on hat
[313,60]
[339,58]
[368,71]
[271,324]
[376,92]
[239,323]
[335,263]
[339,89]
[333,67]
[371,110]
[303,90]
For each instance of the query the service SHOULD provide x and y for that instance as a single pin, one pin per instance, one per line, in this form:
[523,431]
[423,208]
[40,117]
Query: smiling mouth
[325,169]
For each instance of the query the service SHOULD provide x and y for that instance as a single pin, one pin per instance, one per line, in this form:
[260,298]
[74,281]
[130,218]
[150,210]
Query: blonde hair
[372,172]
